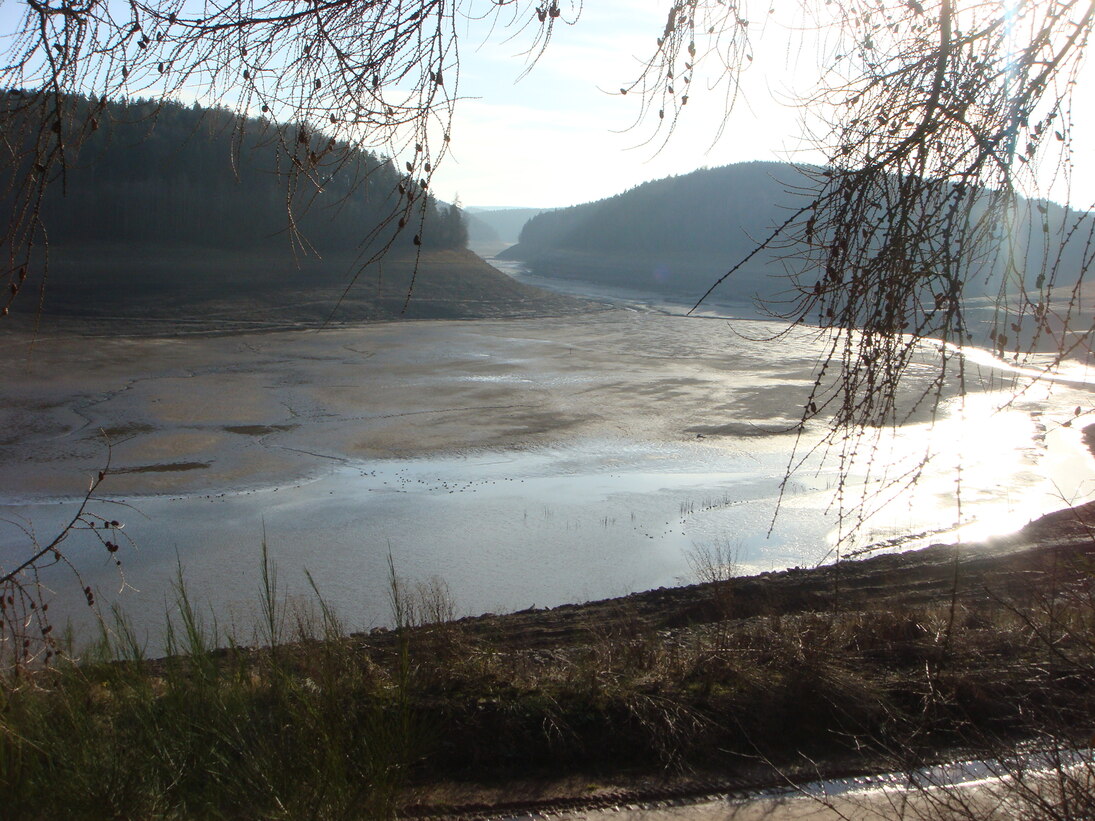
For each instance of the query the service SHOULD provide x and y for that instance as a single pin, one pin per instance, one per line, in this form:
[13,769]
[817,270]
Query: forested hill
[708,210]
[679,235]
[168,211]
[183,175]
[675,235]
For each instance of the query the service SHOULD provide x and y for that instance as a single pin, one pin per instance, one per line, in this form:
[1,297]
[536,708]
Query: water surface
[527,463]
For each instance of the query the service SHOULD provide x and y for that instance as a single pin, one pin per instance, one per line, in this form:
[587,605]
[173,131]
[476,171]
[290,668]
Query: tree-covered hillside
[168,213]
[679,235]
[675,235]
[711,209]
[169,174]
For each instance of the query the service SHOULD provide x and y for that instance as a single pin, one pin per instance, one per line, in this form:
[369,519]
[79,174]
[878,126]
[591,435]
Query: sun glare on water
[990,463]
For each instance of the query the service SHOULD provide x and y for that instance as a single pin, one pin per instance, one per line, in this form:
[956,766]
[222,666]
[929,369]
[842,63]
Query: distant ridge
[677,236]
[498,224]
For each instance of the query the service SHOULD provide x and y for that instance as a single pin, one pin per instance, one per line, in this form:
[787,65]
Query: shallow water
[506,530]
[571,513]
[515,529]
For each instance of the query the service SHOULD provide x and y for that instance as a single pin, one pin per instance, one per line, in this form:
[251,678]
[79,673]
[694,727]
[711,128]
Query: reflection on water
[515,529]
[596,517]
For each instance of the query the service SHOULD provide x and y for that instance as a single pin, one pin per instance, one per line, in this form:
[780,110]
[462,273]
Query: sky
[555,136]
[561,134]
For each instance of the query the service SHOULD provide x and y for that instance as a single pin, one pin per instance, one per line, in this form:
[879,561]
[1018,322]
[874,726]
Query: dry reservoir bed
[527,462]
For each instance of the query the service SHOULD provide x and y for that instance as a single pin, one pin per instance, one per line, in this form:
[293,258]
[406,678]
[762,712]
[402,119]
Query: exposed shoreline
[222,401]
[1055,549]
[233,436]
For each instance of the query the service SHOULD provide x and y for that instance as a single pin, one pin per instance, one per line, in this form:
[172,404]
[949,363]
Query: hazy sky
[557,136]
[562,133]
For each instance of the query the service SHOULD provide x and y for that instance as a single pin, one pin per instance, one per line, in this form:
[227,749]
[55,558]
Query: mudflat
[538,460]
[195,413]
[198,413]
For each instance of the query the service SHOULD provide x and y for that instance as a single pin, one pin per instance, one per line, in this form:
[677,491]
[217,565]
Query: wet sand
[200,414]
[526,461]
